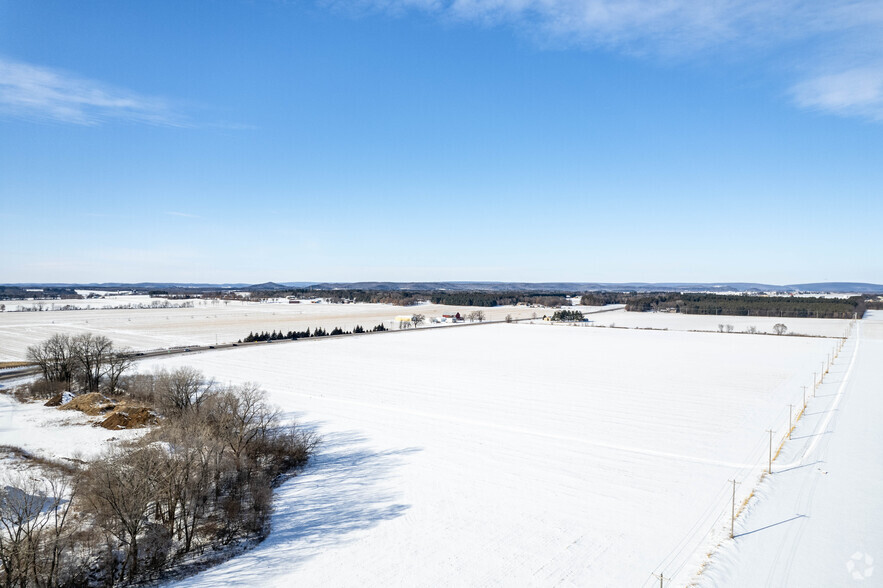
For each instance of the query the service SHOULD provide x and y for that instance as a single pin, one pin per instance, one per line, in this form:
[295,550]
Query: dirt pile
[54,401]
[117,415]
[129,417]
[92,404]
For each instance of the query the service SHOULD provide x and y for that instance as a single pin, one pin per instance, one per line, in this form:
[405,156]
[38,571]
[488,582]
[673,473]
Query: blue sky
[441,140]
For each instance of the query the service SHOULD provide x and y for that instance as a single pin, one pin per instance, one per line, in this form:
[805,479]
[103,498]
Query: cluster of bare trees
[90,362]
[778,329]
[476,315]
[35,534]
[202,479]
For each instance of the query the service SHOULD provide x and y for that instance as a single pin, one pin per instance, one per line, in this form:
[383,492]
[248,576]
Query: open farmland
[208,322]
[513,454]
[703,322]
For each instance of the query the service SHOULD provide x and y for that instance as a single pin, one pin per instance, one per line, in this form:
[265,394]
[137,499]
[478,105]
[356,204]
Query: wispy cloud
[853,92]
[834,49]
[40,93]
[182,214]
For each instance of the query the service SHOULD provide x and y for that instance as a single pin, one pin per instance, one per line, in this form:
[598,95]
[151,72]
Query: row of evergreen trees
[568,315]
[317,332]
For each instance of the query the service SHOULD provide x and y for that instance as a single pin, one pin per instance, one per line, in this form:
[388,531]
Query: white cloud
[40,93]
[853,92]
[832,49]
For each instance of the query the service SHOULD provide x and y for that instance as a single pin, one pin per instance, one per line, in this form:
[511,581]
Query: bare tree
[417,320]
[182,390]
[121,487]
[117,364]
[91,353]
[476,315]
[55,357]
[779,328]
[247,418]
[189,473]
[33,529]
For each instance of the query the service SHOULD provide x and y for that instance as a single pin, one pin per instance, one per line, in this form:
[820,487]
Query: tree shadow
[342,492]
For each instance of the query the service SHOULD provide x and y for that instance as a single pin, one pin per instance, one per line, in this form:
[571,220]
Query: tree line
[742,305]
[317,332]
[199,483]
[91,362]
[412,297]
[19,293]
[162,304]
[604,298]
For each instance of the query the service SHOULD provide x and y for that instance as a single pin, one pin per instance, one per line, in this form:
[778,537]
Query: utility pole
[661,579]
[733,515]
[770,470]
[813,384]
[804,397]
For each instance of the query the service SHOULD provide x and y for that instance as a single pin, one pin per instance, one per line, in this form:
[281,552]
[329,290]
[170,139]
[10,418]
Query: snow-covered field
[699,322]
[84,303]
[816,520]
[513,454]
[209,321]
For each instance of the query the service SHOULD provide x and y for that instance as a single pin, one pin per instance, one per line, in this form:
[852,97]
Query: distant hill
[456,286]
[839,287]
[266,286]
[126,285]
[834,287]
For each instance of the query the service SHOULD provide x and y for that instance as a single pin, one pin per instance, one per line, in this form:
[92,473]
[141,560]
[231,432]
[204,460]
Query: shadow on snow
[341,493]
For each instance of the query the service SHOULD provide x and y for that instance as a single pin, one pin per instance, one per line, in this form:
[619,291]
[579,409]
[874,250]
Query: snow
[84,303]
[512,454]
[208,322]
[816,520]
[52,433]
[699,322]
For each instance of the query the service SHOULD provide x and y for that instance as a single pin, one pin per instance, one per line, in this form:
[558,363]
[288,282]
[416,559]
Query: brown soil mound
[93,404]
[55,400]
[129,417]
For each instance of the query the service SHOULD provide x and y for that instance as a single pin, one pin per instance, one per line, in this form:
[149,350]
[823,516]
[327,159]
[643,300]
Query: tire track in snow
[524,431]
[823,426]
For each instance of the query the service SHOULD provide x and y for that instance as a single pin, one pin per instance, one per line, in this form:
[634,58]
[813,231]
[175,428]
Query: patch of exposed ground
[117,414]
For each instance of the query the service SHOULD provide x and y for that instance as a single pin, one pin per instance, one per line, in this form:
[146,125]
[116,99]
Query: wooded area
[742,305]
